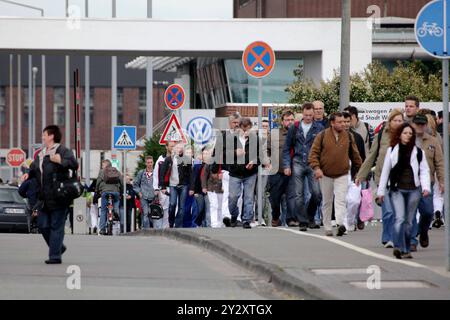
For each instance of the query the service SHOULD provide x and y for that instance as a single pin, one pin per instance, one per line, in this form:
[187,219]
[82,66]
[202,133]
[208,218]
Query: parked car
[13,210]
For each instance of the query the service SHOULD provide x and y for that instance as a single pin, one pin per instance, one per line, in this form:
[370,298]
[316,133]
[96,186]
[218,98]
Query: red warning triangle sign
[173,131]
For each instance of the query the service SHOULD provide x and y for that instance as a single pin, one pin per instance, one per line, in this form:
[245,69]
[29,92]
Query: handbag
[155,210]
[69,189]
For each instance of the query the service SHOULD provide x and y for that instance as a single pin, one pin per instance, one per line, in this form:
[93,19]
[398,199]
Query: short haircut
[148,158]
[286,113]
[424,111]
[335,115]
[265,120]
[245,122]
[415,99]
[352,110]
[319,103]
[107,162]
[440,114]
[308,106]
[55,131]
[347,115]
[234,116]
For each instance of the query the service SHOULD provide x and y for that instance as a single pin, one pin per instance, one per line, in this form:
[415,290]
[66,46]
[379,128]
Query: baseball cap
[420,119]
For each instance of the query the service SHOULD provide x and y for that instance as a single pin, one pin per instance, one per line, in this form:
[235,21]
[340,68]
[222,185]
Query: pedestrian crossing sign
[124,138]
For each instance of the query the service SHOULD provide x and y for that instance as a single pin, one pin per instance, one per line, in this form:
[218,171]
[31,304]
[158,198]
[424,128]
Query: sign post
[124,139]
[432,34]
[258,61]
[15,157]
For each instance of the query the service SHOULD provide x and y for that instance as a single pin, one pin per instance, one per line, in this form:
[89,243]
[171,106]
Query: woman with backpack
[407,173]
[374,163]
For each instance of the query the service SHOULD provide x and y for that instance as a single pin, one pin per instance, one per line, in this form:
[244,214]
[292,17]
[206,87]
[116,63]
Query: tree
[375,84]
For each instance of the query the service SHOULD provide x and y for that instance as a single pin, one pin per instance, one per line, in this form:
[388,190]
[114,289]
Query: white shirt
[174,180]
[306,128]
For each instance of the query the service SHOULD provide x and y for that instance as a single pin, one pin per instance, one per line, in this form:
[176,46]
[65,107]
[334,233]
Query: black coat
[184,171]
[52,174]
[238,168]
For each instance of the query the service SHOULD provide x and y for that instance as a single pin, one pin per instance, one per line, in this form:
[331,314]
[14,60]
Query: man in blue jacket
[299,140]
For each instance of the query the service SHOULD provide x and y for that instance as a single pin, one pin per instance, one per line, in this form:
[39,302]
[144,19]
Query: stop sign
[15,157]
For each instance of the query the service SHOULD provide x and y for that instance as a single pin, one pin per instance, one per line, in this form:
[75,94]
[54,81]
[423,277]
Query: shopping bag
[353,203]
[366,212]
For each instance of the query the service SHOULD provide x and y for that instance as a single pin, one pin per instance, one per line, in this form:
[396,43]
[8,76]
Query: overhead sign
[174,97]
[172,132]
[124,138]
[258,59]
[200,130]
[431,28]
[15,157]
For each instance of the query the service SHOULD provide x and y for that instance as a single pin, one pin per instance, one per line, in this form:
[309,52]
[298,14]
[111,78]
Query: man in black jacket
[176,176]
[243,172]
[51,167]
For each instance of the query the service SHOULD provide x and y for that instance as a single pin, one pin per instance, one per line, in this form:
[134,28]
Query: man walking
[299,141]
[330,157]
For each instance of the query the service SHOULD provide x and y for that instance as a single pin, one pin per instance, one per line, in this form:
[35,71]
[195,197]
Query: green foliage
[375,84]
[151,148]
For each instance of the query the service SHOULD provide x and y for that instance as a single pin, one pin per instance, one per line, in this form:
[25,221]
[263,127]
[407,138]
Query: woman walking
[406,172]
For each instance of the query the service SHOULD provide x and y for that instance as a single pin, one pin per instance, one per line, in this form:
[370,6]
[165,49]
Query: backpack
[111,175]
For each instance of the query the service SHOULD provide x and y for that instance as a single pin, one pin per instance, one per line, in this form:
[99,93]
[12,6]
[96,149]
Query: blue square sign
[124,138]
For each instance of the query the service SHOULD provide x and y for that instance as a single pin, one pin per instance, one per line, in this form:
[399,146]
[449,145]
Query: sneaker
[233,222]
[303,228]
[413,247]
[102,233]
[313,225]
[227,222]
[333,223]
[252,224]
[389,244]
[397,253]
[293,223]
[53,261]
[328,233]
[341,231]
[246,225]
[360,225]
[407,255]
[424,241]
[438,220]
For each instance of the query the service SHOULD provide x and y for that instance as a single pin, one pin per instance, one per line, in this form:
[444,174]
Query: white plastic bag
[353,203]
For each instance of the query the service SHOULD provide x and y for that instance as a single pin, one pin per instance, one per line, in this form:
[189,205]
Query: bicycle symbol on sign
[431,29]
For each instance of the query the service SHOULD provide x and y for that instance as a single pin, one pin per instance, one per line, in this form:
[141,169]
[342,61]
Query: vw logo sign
[79,218]
[200,130]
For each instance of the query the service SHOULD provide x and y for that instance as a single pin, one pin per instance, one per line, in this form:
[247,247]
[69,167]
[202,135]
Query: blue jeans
[115,196]
[51,225]
[304,174]
[145,221]
[405,204]
[198,210]
[278,185]
[235,189]
[178,195]
[207,221]
[388,218]
[426,211]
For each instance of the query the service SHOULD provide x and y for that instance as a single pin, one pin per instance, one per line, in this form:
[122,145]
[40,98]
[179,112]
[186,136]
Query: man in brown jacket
[330,157]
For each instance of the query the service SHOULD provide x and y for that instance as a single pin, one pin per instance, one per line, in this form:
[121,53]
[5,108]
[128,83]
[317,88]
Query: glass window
[142,106]
[2,106]
[59,106]
[91,106]
[244,89]
[120,106]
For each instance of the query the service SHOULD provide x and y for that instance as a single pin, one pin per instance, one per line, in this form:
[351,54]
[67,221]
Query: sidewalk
[310,265]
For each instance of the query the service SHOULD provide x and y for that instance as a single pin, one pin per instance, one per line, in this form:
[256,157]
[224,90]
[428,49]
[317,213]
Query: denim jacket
[300,144]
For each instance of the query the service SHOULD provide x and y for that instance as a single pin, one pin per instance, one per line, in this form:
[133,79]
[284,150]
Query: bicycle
[431,29]
[112,216]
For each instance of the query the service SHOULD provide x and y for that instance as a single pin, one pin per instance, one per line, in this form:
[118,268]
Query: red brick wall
[101,128]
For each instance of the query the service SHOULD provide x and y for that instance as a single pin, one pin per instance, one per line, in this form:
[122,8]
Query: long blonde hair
[432,125]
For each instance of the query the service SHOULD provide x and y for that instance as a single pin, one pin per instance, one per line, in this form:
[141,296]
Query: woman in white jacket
[408,174]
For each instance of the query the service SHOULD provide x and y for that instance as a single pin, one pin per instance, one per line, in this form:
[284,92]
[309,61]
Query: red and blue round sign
[258,59]
[174,97]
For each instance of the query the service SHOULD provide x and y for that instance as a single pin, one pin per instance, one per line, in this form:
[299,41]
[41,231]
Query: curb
[275,275]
